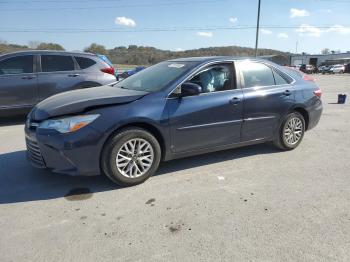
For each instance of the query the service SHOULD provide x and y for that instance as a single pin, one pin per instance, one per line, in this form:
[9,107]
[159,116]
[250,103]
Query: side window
[279,79]
[54,63]
[256,74]
[214,78]
[17,65]
[84,62]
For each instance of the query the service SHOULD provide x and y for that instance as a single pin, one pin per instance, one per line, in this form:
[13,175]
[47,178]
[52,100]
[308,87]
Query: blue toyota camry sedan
[173,109]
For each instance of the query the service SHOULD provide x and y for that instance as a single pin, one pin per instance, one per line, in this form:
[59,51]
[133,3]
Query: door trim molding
[210,124]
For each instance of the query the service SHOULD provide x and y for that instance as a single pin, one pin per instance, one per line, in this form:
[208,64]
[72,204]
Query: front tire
[131,156]
[291,131]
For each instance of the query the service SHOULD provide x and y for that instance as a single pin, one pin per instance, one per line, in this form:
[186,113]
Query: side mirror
[190,89]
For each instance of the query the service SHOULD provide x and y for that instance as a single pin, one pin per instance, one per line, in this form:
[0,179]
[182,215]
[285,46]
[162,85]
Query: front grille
[34,154]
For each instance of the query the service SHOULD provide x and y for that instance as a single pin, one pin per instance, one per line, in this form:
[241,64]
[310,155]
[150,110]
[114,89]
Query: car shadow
[216,157]
[19,182]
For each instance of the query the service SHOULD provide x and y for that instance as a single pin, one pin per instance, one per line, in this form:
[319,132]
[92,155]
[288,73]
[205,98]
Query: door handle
[235,100]
[287,93]
[73,75]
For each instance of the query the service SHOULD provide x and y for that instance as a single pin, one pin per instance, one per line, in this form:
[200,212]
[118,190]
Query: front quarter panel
[149,110]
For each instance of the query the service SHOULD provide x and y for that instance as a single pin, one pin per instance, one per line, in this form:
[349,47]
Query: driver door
[212,118]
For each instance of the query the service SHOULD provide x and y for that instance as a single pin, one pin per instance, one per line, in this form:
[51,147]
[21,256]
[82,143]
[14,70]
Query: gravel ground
[249,204]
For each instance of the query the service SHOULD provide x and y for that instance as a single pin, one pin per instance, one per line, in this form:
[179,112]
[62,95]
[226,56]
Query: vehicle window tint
[156,77]
[256,74]
[214,78]
[17,65]
[279,79]
[53,63]
[84,62]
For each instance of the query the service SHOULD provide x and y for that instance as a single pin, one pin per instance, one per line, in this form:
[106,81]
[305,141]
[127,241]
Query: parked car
[326,69]
[173,109]
[131,72]
[109,62]
[28,77]
[337,69]
[347,68]
[321,68]
[308,69]
[296,72]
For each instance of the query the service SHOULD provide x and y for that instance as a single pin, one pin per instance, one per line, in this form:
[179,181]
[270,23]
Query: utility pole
[257,31]
[296,47]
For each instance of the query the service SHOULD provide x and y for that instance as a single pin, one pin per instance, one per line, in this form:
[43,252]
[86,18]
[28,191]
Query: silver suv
[28,77]
[337,69]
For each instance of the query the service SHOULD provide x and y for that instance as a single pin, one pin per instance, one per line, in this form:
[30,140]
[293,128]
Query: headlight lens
[69,124]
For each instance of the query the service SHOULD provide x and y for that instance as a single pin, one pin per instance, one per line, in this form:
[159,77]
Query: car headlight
[69,124]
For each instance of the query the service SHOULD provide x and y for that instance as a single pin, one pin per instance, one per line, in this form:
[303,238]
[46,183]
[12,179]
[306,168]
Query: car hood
[78,101]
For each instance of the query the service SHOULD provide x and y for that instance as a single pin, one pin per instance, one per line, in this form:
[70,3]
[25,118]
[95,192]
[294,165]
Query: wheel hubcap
[293,131]
[134,158]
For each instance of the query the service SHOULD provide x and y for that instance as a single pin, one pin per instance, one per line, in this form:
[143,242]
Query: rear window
[279,79]
[84,62]
[55,63]
[256,74]
[17,65]
[294,72]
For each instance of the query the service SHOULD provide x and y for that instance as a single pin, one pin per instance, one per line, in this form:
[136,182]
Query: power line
[334,1]
[151,29]
[113,6]
[58,2]
[99,1]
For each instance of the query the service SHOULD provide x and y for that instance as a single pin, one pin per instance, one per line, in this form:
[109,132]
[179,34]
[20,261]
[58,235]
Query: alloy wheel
[293,131]
[135,157]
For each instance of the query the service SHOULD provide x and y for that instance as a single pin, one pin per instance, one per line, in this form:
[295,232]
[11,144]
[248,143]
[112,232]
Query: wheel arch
[304,113]
[147,127]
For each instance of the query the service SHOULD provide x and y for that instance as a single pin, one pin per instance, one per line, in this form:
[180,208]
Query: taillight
[318,93]
[108,70]
[308,78]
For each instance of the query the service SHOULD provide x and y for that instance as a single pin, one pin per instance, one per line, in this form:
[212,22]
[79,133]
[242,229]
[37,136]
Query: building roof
[335,54]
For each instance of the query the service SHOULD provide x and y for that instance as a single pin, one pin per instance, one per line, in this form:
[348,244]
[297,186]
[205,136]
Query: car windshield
[156,77]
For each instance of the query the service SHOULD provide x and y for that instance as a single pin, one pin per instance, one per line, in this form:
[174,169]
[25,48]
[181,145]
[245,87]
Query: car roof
[34,52]
[215,58]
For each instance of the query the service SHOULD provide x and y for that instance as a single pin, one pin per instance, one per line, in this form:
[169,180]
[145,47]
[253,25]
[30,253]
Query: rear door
[18,82]
[58,74]
[210,119]
[267,97]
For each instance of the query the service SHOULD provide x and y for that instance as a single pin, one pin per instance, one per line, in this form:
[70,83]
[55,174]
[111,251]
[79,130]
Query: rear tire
[131,156]
[291,131]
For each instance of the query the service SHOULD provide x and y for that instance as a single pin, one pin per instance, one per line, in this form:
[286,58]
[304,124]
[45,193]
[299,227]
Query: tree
[96,49]
[33,44]
[50,46]
[132,47]
[325,51]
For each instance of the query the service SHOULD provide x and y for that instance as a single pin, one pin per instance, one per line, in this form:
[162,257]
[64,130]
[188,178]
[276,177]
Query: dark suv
[28,77]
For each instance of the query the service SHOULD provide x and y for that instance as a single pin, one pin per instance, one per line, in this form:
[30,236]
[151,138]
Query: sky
[287,25]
